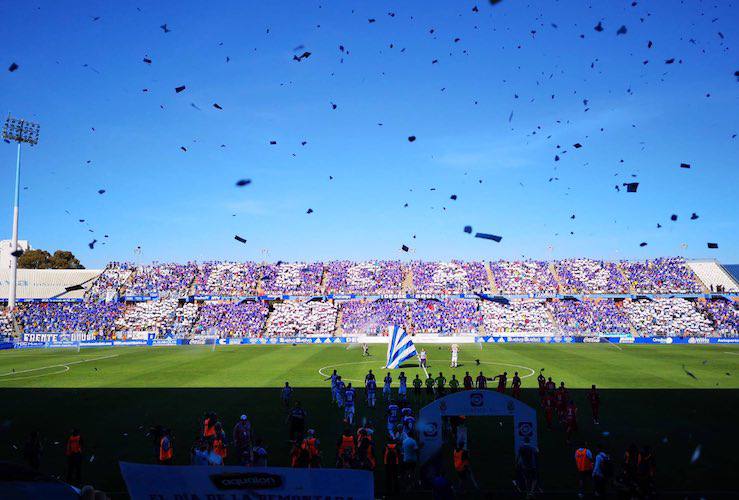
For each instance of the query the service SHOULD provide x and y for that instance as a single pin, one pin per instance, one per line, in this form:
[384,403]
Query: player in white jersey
[349,404]
[370,390]
[334,377]
[386,390]
[455,354]
[403,387]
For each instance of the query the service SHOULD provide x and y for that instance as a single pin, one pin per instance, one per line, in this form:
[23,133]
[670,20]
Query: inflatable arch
[474,404]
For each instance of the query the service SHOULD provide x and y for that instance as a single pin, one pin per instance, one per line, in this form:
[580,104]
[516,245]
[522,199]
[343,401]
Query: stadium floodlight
[20,131]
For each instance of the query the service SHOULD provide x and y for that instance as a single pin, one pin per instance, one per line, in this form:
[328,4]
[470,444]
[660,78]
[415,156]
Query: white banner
[180,482]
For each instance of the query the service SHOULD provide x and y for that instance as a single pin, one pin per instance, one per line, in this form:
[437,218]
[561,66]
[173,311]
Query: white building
[6,249]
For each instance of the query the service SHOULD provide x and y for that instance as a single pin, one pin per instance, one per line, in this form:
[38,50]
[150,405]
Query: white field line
[60,365]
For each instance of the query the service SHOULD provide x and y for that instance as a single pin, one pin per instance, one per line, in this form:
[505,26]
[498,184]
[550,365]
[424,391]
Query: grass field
[114,394]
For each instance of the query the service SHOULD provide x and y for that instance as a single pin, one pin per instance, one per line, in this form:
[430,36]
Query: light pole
[20,131]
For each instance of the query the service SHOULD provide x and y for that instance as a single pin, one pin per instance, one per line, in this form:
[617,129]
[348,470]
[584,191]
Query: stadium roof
[48,283]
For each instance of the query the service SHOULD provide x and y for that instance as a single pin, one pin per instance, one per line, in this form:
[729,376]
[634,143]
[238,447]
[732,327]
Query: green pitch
[114,394]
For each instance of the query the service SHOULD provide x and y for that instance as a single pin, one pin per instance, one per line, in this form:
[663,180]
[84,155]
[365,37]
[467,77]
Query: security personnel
[462,466]
[166,451]
[209,426]
[392,462]
[219,442]
[74,456]
[310,445]
[584,464]
[346,448]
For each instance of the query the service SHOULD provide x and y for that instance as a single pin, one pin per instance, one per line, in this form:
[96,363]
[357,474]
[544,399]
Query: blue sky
[76,73]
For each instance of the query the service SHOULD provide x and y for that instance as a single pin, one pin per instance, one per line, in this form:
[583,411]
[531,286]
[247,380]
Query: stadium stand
[667,317]
[445,316]
[93,318]
[162,279]
[6,323]
[300,318]
[292,278]
[232,279]
[714,276]
[109,283]
[591,316]
[373,277]
[723,314]
[590,276]
[372,316]
[664,275]
[449,277]
[152,316]
[232,319]
[523,277]
[524,316]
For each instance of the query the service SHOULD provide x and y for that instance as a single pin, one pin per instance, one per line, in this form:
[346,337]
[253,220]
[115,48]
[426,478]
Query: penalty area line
[60,365]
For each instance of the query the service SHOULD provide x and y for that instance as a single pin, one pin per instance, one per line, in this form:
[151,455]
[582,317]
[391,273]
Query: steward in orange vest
[392,461]
[310,445]
[346,449]
[209,426]
[219,442]
[73,452]
[584,464]
[166,451]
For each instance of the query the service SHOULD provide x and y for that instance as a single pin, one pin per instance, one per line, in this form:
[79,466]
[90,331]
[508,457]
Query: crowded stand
[110,281]
[162,279]
[380,277]
[449,277]
[590,276]
[6,322]
[523,277]
[663,275]
[372,317]
[232,319]
[723,314]
[296,278]
[590,316]
[445,316]
[184,318]
[152,316]
[95,318]
[522,316]
[293,318]
[667,317]
[230,279]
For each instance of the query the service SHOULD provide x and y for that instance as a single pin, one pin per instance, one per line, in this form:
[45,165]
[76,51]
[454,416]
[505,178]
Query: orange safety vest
[219,447]
[584,464]
[310,445]
[208,430]
[460,462]
[165,455]
[74,445]
[394,458]
[347,443]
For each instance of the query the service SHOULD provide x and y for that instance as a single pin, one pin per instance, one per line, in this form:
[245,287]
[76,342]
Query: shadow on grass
[114,425]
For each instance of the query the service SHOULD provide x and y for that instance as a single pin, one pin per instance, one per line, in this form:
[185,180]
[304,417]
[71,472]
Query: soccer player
[417,384]
[482,381]
[429,387]
[561,397]
[594,398]
[502,380]
[548,404]
[371,391]
[369,376]
[542,385]
[402,386]
[340,387]
[516,386]
[409,421]
[393,415]
[422,358]
[387,391]
[287,393]
[334,377]
[453,383]
[467,381]
[571,420]
[455,354]
[349,404]
[440,384]
[296,419]
[550,386]
[365,350]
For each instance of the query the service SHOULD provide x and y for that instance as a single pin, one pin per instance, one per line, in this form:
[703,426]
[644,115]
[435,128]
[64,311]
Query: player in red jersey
[594,398]
[571,420]
[550,386]
[548,404]
[561,397]
[467,382]
[542,385]
[502,380]
[516,386]
[482,381]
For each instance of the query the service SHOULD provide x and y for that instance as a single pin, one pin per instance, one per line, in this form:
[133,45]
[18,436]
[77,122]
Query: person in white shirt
[455,354]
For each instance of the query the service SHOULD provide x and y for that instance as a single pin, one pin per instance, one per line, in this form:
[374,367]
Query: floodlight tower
[20,131]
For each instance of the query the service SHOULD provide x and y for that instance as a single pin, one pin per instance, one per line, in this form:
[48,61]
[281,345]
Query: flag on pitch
[400,348]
